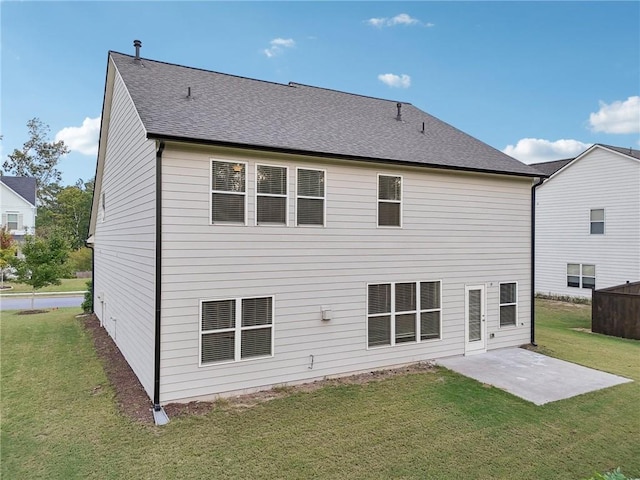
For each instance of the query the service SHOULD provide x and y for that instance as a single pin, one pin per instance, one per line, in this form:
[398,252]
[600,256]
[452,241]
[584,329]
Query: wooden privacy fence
[616,311]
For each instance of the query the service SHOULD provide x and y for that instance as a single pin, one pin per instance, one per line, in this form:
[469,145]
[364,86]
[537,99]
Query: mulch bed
[31,312]
[134,402]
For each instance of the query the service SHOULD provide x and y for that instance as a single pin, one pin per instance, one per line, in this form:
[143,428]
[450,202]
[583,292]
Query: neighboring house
[18,205]
[588,222]
[249,234]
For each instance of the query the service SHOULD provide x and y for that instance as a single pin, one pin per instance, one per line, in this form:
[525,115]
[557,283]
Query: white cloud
[400,19]
[534,150]
[403,19]
[400,81]
[278,45]
[617,117]
[83,139]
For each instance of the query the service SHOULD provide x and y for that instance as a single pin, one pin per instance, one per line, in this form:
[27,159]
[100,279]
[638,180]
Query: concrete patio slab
[529,375]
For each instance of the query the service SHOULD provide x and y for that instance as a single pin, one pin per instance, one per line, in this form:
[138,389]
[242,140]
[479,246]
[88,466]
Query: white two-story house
[588,222]
[249,234]
[18,205]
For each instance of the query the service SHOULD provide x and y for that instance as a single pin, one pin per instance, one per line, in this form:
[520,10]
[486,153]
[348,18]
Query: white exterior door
[475,324]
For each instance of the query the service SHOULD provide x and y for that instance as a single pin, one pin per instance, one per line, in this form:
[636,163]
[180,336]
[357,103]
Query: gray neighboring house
[248,234]
[588,222]
[18,205]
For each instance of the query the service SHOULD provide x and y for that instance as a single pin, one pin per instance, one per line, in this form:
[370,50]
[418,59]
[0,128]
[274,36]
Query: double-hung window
[271,195]
[581,275]
[508,304]
[403,312]
[228,192]
[389,201]
[236,329]
[12,221]
[597,221]
[310,198]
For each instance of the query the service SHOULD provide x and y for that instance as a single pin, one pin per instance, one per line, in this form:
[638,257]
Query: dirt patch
[31,312]
[133,401]
[585,330]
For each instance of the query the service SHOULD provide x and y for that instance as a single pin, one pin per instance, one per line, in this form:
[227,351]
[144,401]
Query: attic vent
[138,45]
[399,117]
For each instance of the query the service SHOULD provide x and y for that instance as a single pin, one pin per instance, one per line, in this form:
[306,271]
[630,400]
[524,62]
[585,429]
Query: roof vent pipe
[399,117]
[137,44]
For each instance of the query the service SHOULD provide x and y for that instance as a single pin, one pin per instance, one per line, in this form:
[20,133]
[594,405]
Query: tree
[7,252]
[68,213]
[38,159]
[43,262]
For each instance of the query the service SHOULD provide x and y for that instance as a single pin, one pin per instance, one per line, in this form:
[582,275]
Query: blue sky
[538,80]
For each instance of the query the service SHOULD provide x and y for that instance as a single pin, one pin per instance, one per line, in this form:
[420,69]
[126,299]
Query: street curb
[43,294]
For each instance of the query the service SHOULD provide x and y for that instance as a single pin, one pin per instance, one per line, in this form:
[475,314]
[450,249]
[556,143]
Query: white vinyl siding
[508,304]
[458,228]
[389,201]
[599,180]
[310,197]
[124,249]
[236,329]
[596,226]
[271,195]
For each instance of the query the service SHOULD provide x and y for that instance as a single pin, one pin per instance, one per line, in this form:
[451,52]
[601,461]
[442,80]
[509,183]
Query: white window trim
[580,276]
[378,200]
[286,206]
[238,329]
[604,221]
[393,314]
[508,304]
[324,198]
[212,191]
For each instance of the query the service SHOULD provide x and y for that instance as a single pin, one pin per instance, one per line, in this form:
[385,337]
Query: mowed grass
[59,419]
[66,285]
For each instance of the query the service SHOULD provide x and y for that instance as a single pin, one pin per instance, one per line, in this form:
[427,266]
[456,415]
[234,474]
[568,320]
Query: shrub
[613,475]
[87,304]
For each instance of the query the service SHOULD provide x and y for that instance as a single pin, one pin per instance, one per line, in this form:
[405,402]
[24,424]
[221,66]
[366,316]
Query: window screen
[228,190]
[311,197]
[271,195]
[508,304]
[389,201]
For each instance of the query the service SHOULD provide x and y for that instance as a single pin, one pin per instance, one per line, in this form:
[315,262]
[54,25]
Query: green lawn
[67,285]
[59,419]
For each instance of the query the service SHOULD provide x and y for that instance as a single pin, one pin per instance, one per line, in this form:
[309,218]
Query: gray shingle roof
[23,186]
[226,109]
[549,168]
[626,151]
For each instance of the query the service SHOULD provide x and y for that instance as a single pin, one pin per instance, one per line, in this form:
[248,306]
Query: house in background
[249,234]
[18,205]
[588,222]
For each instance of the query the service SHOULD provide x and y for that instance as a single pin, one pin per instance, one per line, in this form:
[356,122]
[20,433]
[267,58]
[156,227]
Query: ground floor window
[508,304]
[236,329]
[581,275]
[403,312]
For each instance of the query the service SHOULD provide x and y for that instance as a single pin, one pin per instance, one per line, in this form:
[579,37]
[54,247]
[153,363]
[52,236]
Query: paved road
[24,303]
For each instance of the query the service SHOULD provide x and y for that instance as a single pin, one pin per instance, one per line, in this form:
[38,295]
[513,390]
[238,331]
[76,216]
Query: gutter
[533,260]
[159,415]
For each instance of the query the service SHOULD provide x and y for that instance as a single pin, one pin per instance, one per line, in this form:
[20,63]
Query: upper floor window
[389,201]
[597,221]
[508,304]
[228,192]
[581,275]
[271,193]
[310,201]
[12,221]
